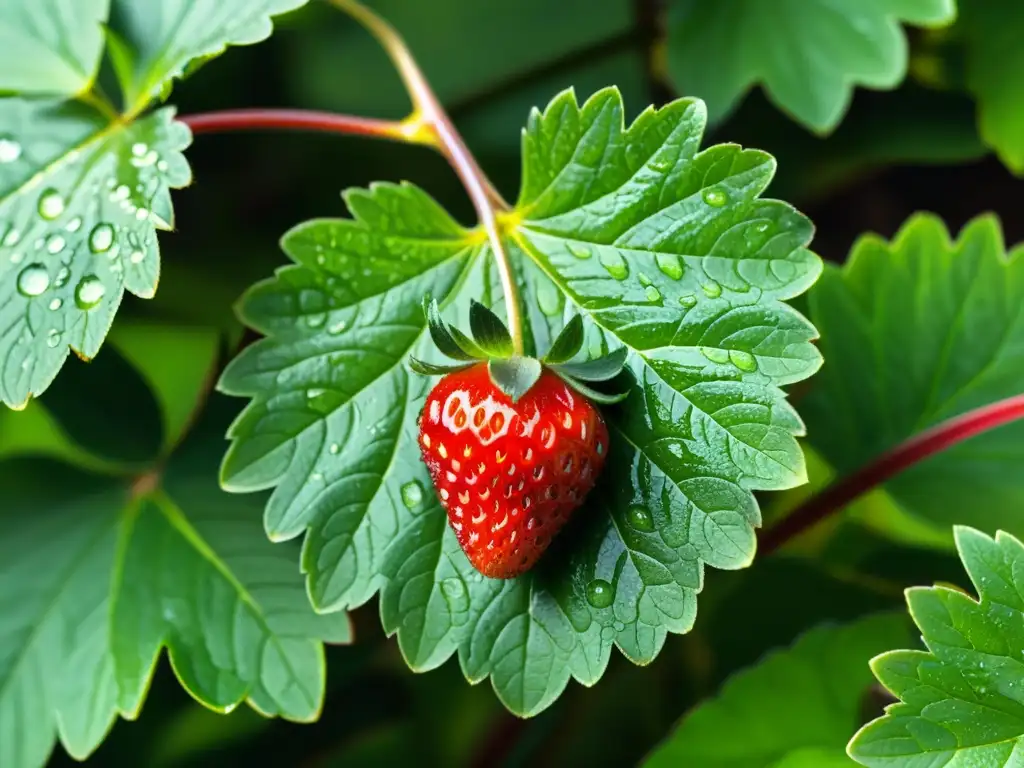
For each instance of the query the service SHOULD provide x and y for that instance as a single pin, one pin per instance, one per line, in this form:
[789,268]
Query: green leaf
[568,342]
[433,369]
[660,249]
[516,375]
[916,331]
[995,74]
[80,202]
[600,369]
[97,580]
[50,47]
[596,395]
[488,331]
[808,54]
[960,699]
[161,37]
[449,340]
[794,709]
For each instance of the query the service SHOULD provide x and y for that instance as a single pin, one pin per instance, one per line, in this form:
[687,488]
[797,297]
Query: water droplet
[715,355]
[89,292]
[579,251]
[56,304]
[607,633]
[74,225]
[33,280]
[120,193]
[136,257]
[319,400]
[453,588]
[334,449]
[55,244]
[142,214]
[762,227]
[712,290]
[600,593]
[162,166]
[338,327]
[53,339]
[644,279]
[412,494]
[640,518]
[715,197]
[16,257]
[101,238]
[549,299]
[317,320]
[51,204]
[12,237]
[62,277]
[612,261]
[619,626]
[10,150]
[653,294]
[689,301]
[743,360]
[139,149]
[670,264]
[317,477]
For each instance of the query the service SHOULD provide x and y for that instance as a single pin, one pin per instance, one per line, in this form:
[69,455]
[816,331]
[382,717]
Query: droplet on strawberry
[509,474]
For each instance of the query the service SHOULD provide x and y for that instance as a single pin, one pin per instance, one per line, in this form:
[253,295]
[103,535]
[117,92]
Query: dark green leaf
[488,331]
[80,203]
[433,369]
[960,699]
[600,369]
[596,395]
[102,580]
[796,708]
[718,51]
[163,36]
[516,375]
[449,341]
[568,342]
[48,47]
[661,249]
[919,330]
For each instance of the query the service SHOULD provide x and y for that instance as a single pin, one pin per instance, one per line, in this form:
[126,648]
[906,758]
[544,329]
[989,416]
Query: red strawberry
[513,444]
[509,473]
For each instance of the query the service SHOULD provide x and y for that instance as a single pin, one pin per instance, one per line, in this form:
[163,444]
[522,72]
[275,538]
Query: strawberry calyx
[489,341]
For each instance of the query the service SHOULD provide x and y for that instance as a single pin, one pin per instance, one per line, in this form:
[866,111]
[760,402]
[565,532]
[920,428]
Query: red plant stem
[295,119]
[940,437]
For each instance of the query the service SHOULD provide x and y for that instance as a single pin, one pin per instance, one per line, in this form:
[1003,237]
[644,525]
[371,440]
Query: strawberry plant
[537,433]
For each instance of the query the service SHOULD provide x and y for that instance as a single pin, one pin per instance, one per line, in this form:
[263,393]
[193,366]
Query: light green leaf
[662,250]
[50,47]
[96,581]
[795,709]
[961,700]
[80,203]
[916,331]
[163,36]
[808,54]
[995,74]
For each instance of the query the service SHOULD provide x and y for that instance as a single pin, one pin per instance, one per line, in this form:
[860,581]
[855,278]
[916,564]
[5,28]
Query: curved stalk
[940,437]
[298,119]
[428,113]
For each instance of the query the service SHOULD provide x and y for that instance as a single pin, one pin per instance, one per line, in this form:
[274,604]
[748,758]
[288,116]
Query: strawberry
[513,444]
[509,474]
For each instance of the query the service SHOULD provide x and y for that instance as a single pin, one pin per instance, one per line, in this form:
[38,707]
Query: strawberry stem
[437,129]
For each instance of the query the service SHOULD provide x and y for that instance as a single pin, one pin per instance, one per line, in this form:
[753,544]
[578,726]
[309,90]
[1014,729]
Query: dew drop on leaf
[644,279]
[743,360]
[56,304]
[101,238]
[549,299]
[412,494]
[712,290]
[670,265]
[55,244]
[10,150]
[640,518]
[612,261]
[334,449]
[653,294]
[89,292]
[62,277]
[136,257]
[715,355]
[51,204]
[53,339]
[579,251]
[453,588]
[689,301]
[74,225]
[600,593]
[715,197]
[33,280]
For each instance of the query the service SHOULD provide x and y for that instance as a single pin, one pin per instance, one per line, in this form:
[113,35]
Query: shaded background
[895,153]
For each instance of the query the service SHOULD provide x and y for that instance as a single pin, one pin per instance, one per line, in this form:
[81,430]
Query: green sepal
[433,369]
[442,336]
[489,332]
[515,375]
[467,345]
[602,398]
[568,343]
[600,369]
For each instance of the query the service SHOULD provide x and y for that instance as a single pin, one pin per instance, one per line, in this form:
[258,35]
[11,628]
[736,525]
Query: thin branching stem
[300,119]
[918,448]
